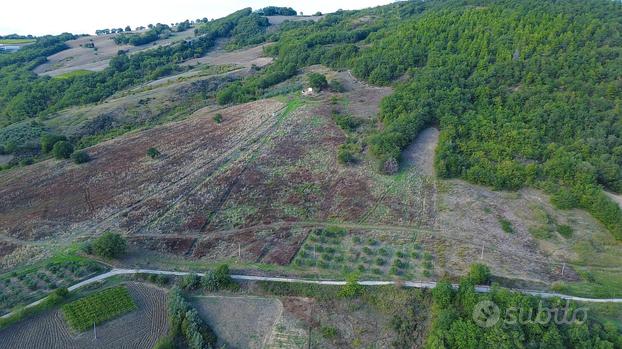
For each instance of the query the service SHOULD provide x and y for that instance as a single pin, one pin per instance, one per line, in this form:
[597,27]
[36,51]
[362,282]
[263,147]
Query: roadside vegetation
[50,301]
[453,320]
[186,325]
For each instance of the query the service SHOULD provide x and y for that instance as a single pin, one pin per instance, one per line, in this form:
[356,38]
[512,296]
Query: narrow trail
[409,284]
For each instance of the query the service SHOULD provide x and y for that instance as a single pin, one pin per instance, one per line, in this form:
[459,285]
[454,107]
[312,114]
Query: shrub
[217,118]
[110,245]
[153,153]
[564,230]
[317,81]
[80,157]
[165,343]
[217,279]
[479,274]
[26,162]
[347,122]
[352,288]
[62,150]
[329,332]
[190,282]
[48,141]
[506,225]
[336,86]
[346,153]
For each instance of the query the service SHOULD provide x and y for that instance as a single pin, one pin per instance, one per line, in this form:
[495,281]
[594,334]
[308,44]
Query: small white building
[308,92]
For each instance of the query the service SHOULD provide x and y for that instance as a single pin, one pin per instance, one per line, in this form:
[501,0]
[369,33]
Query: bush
[347,122]
[190,282]
[110,245]
[329,332]
[217,118]
[346,154]
[564,230]
[153,153]
[479,274]
[317,81]
[80,157]
[336,86]
[62,150]
[48,141]
[352,288]
[165,343]
[506,225]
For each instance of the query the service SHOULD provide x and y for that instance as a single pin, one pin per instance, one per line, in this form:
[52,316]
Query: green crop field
[16,41]
[98,308]
[71,74]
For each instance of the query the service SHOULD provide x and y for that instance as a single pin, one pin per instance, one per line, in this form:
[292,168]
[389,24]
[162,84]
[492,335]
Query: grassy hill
[438,134]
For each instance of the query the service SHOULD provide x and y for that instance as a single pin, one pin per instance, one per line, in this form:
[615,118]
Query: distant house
[308,92]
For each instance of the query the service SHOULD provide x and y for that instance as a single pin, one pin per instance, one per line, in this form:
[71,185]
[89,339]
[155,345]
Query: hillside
[410,141]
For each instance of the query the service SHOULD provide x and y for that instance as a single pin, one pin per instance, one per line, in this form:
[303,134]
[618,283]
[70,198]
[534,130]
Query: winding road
[411,284]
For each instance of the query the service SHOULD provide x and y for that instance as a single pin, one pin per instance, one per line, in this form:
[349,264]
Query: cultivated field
[29,284]
[139,329]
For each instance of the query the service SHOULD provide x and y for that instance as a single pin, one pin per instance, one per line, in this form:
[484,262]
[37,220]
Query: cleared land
[276,20]
[240,322]
[79,57]
[244,58]
[139,329]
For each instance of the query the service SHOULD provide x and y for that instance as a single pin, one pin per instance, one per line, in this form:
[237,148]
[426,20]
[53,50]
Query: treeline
[17,37]
[159,31]
[185,325]
[277,11]
[465,319]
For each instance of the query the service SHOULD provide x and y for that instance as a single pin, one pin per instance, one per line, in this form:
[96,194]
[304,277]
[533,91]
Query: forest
[525,93]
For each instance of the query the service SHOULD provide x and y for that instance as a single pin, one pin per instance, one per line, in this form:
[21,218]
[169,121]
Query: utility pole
[563,268]
[94,330]
[481,256]
[239,252]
